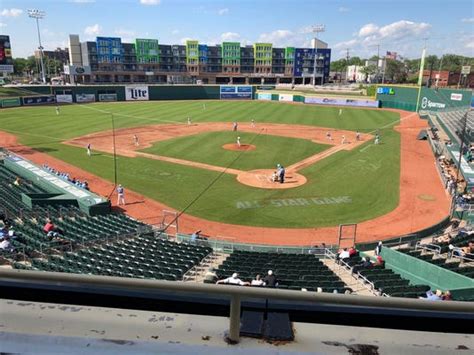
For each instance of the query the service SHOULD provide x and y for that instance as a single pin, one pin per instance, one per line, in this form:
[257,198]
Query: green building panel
[289,55]
[231,53]
[147,50]
[192,52]
[263,54]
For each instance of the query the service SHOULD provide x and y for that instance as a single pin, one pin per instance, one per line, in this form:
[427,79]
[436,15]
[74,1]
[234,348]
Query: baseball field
[197,168]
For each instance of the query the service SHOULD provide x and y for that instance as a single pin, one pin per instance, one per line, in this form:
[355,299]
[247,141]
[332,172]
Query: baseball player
[377,139]
[135,140]
[89,150]
[189,121]
[340,111]
[343,141]
[203,106]
[357,136]
[57,110]
[328,136]
[234,126]
[252,123]
[120,195]
[238,141]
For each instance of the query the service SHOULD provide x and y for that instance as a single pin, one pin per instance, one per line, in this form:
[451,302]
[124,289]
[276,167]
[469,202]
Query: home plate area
[263,179]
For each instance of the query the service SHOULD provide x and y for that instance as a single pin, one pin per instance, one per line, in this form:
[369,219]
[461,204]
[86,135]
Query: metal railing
[236,294]
[436,249]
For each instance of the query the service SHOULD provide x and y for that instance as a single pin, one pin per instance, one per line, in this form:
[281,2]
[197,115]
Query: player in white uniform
[189,121]
[238,141]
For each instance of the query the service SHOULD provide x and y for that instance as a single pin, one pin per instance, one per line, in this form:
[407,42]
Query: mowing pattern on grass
[349,186]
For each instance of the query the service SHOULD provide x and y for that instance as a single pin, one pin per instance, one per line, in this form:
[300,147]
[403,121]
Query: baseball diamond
[184,167]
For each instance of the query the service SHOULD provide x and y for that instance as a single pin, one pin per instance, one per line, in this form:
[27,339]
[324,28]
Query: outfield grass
[369,175]
[207,148]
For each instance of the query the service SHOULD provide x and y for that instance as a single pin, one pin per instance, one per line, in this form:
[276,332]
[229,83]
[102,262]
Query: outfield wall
[407,97]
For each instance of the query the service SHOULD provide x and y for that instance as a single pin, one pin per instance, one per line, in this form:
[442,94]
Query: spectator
[270,280]
[378,248]
[210,274]
[447,296]
[352,252]
[343,255]
[17,181]
[380,262]
[233,280]
[51,230]
[430,296]
[5,244]
[258,281]
[366,264]
[195,236]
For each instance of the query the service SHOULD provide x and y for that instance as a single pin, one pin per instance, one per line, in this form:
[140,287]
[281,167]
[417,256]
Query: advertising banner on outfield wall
[64,99]
[267,97]
[107,97]
[340,102]
[285,97]
[39,100]
[236,92]
[85,98]
[136,93]
[10,102]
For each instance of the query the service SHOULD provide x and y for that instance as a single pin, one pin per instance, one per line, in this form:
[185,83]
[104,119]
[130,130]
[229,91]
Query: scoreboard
[6,60]
[241,92]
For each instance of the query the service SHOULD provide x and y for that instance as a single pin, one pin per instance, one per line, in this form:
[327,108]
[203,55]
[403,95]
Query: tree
[395,71]
[355,61]
[369,70]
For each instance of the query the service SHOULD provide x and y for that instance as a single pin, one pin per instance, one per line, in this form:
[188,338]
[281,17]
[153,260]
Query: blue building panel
[302,53]
[109,49]
[202,48]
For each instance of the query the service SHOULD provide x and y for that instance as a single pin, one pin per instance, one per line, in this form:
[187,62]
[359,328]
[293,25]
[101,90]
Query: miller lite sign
[136,93]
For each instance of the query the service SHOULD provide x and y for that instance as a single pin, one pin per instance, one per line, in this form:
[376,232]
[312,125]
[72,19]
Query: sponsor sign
[264,96]
[456,97]
[107,97]
[77,70]
[11,102]
[39,100]
[341,102]
[427,104]
[266,87]
[136,93]
[466,69]
[85,97]
[6,60]
[285,97]
[385,91]
[64,99]
[5,68]
[236,92]
[294,202]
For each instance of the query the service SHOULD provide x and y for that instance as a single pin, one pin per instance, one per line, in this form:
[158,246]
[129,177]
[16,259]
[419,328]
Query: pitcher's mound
[235,146]
[263,179]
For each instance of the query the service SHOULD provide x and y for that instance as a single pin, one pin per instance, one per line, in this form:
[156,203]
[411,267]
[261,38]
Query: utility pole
[378,61]
[347,62]
[38,14]
[316,30]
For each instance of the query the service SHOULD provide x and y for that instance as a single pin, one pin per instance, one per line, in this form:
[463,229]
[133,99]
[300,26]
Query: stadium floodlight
[316,29]
[38,14]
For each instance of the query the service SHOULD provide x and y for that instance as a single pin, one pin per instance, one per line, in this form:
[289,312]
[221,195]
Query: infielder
[135,140]
[189,121]
[238,141]
[89,150]
[328,136]
[357,136]
[234,126]
[343,139]
[252,123]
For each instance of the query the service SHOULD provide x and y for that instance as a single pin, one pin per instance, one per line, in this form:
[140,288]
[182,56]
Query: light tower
[38,14]
[316,29]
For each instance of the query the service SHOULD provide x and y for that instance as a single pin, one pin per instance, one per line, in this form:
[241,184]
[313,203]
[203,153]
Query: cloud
[368,30]
[11,12]
[93,30]
[3,25]
[184,39]
[468,20]
[343,9]
[150,2]
[222,12]
[277,38]
[175,32]
[229,36]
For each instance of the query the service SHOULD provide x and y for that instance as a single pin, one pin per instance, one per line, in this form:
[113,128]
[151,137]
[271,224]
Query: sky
[361,26]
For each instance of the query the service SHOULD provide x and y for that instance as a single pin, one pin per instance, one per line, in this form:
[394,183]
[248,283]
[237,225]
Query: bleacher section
[293,271]
[140,257]
[453,121]
[441,257]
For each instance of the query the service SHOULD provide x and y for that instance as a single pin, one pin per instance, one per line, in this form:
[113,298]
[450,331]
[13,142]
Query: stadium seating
[391,283]
[140,257]
[294,271]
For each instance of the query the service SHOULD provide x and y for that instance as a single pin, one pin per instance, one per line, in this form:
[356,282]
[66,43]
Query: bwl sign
[136,93]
